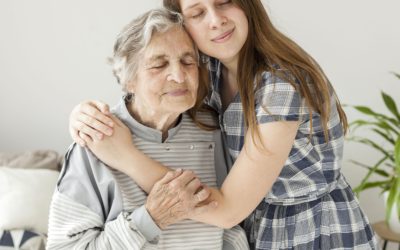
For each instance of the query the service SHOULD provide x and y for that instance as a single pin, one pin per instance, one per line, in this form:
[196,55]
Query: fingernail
[99,136]
[109,131]
[179,170]
[202,194]
[111,124]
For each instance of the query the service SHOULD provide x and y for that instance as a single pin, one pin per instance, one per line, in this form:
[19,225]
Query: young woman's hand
[90,118]
[176,197]
[112,149]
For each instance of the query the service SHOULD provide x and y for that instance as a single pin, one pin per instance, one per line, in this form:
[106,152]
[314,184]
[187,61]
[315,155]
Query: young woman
[283,125]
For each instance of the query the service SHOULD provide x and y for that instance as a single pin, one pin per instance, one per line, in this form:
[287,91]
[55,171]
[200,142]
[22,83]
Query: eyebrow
[191,54]
[156,57]
[190,6]
[163,56]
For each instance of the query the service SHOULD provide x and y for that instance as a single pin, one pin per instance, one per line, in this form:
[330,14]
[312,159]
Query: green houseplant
[387,128]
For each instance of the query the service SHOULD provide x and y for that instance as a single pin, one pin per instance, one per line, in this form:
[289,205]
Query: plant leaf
[397,156]
[390,201]
[398,197]
[369,185]
[365,110]
[390,104]
[379,124]
[398,205]
[378,116]
[372,144]
[397,75]
[378,171]
[387,136]
[372,170]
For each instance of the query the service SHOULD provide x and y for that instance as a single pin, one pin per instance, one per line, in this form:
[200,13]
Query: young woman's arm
[252,175]
[250,178]
[248,182]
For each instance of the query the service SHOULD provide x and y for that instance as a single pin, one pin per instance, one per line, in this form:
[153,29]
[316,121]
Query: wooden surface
[382,229]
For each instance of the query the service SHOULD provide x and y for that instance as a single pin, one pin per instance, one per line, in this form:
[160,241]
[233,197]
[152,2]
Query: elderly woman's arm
[86,210]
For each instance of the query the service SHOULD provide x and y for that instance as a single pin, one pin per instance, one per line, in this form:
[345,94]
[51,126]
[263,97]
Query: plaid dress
[310,206]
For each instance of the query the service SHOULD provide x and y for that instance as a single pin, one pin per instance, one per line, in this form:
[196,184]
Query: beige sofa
[27,181]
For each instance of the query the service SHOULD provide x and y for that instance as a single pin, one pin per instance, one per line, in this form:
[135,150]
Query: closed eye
[158,66]
[224,3]
[197,15]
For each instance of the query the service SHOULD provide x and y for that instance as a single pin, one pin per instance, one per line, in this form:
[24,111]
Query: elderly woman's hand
[178,196]
[90,118]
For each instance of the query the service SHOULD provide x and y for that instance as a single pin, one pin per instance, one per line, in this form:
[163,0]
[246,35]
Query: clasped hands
[177,196]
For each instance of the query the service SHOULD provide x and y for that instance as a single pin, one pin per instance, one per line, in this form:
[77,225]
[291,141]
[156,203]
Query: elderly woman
[97,207]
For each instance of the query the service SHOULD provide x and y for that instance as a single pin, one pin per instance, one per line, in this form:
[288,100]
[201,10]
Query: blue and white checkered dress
[310,206]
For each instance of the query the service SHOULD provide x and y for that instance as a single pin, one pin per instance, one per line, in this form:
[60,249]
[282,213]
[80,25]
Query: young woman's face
[219,27]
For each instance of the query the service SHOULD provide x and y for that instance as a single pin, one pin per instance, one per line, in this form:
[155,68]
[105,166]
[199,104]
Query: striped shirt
[97,207]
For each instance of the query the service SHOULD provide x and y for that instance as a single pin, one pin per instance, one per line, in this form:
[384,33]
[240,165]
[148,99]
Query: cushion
[25,197]
[22,240]
[47,159]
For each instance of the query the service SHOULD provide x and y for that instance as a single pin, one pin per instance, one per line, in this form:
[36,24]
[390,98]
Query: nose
[217,19]
[176,73]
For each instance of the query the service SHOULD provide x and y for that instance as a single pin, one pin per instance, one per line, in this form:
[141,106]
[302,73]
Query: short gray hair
[135,37]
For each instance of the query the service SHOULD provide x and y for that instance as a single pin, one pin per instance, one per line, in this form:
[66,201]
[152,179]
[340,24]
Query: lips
[224,36]
[177,92]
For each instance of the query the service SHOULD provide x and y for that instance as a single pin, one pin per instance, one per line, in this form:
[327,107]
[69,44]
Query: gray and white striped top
[97,207]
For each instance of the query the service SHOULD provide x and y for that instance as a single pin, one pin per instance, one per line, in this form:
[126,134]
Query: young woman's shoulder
[277,98]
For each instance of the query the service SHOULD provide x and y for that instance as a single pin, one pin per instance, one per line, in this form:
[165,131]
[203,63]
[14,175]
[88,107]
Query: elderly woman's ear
[130,87]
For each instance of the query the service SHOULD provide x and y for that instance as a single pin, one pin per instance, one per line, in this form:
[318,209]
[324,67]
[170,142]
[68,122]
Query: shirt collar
[140,130]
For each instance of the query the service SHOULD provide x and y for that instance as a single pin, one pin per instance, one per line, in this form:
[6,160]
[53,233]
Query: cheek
[197,33]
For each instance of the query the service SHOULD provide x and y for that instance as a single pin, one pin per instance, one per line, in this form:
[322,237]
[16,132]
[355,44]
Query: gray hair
[134,39]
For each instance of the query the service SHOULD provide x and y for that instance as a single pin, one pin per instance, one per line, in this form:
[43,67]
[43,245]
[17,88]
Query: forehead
[173,42]
[184,4]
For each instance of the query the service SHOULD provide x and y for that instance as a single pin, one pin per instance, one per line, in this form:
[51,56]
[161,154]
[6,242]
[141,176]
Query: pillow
[25,196]
[48,159]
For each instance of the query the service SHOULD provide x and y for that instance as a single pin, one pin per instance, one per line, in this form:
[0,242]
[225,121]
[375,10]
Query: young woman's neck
[230,85]
[230,67]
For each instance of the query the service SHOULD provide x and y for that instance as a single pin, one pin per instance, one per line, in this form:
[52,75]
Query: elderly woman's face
[167,77]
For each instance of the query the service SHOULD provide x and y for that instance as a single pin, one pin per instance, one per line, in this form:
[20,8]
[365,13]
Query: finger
[194,185]
[205,208]
[117,121]
[84,128]
[95,112]
[182,180]
[75,136]
[171,175]
[203,194]
[103,107]
[95,124]
[88,140]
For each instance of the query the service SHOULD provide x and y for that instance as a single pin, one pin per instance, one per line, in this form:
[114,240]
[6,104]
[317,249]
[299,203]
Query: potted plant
[387,128]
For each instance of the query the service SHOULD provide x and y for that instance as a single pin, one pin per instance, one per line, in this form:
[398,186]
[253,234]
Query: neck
[230,67]
[153,119]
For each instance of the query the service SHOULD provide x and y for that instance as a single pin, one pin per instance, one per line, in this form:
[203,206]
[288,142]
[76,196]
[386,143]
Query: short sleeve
[279,100]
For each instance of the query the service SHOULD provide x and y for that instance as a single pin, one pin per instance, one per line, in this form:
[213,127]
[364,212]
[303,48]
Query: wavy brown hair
[267,49]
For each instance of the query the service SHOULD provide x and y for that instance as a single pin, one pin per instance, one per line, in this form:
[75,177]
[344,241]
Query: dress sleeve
[86,209]
[279,100]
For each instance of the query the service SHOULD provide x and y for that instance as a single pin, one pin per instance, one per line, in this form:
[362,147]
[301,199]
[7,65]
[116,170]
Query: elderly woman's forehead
[172,37]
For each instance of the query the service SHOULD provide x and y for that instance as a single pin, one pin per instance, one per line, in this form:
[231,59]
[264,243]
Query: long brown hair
[267,49]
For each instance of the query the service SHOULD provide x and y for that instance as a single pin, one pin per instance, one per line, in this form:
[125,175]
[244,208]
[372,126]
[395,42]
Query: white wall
[52,56]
